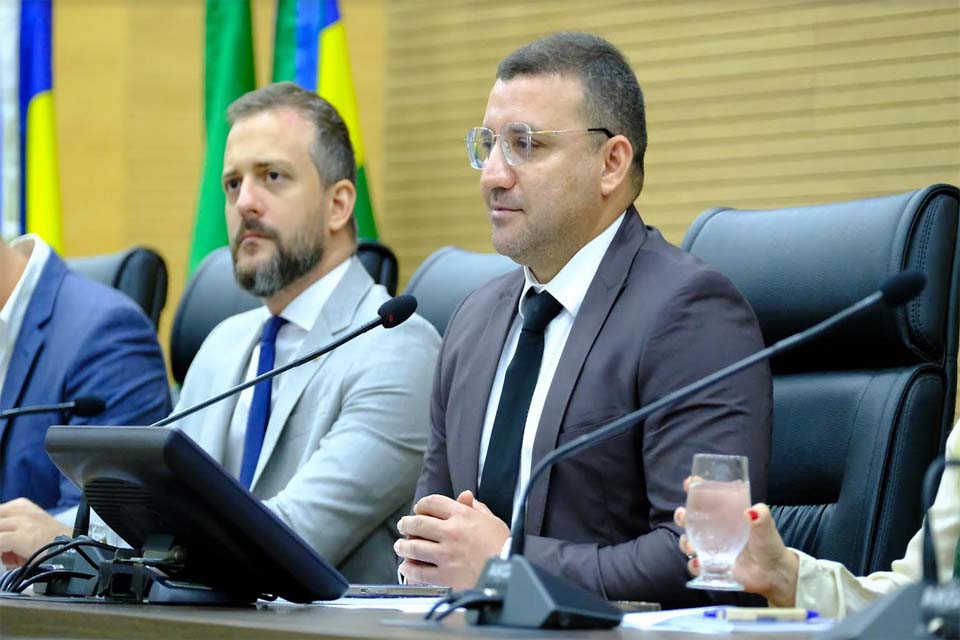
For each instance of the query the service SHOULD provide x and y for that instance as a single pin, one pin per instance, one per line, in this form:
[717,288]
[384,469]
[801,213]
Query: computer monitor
[169,499]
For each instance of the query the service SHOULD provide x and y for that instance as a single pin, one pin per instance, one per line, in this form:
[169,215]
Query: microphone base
[535,599]
[897,616]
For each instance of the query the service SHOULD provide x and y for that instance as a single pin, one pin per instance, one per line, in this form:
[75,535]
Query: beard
[289,262]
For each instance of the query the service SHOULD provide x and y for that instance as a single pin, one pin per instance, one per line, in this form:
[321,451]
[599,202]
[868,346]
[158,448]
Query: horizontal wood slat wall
[751,103]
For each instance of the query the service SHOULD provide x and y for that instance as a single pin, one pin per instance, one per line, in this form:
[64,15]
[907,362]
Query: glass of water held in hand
[718,495]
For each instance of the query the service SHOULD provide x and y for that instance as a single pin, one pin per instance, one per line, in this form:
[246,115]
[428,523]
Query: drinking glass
[716,526]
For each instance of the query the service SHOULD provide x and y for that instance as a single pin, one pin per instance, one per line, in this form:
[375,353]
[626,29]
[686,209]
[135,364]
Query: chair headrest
[138,272]
[448,276]
[799,265]
[380,262]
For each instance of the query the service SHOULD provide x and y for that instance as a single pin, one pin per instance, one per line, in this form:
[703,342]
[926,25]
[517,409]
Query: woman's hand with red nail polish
[765,566]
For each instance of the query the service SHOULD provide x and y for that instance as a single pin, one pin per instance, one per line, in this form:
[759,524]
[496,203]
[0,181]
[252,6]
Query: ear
[617,160]
[342,195]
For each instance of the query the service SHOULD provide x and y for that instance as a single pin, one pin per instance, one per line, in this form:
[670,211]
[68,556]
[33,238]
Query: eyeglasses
[516,140]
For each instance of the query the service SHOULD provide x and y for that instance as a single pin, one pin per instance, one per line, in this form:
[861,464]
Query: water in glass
[716,526]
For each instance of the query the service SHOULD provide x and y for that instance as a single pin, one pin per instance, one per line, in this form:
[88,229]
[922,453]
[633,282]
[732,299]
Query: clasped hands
[447,542]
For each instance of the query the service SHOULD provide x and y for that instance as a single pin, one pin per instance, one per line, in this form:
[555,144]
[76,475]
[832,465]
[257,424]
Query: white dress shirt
[14,310]
[300,314]
[569,287]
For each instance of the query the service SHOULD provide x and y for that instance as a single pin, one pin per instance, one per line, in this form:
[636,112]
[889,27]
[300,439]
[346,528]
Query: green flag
[310,48]
[229,73]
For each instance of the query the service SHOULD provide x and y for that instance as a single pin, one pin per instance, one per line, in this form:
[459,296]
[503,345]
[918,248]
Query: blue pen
[762,614]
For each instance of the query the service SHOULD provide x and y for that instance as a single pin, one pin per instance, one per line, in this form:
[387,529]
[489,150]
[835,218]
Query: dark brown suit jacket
[654,319]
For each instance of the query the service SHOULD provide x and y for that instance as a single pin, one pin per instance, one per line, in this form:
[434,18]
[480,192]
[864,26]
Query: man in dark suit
[605,316]
[62,337]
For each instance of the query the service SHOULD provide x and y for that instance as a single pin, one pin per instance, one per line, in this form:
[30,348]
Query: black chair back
[447,276]
[138,272]
[861,412]
[380,263]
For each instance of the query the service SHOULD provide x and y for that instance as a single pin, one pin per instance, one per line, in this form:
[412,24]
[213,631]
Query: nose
[496,172]
[248,199]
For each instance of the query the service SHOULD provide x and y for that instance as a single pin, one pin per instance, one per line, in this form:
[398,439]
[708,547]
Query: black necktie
[501,466]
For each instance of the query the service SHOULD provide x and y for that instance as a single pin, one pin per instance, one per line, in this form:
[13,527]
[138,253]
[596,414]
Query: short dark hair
[331,150]
[612,95]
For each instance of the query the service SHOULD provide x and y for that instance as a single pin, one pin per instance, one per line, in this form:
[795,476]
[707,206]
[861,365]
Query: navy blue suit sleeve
[119,361]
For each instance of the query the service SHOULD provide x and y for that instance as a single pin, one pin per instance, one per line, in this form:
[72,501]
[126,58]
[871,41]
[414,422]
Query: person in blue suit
[62,337]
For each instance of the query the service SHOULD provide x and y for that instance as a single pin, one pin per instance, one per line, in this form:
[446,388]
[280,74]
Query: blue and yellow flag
[310,49]
[31,199]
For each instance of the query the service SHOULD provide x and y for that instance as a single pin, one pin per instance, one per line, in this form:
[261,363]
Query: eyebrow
[259,166]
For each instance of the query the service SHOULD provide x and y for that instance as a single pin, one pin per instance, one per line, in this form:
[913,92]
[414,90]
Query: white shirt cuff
[505,550]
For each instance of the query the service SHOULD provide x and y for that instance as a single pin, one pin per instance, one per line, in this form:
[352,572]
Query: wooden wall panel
[750,103]
[129,97]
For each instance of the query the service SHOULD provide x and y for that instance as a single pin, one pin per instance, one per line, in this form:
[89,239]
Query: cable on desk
[46,576]
[467,599]
[11,583]
[10,576]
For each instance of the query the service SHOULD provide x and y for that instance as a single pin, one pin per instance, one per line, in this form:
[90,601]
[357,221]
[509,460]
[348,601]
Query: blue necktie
[259,414]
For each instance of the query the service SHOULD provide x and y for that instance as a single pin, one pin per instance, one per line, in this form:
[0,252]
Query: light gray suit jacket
[347,431]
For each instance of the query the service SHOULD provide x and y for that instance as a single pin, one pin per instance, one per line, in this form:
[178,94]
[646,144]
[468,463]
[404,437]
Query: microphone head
[396,310]
[903,287]
[86,406]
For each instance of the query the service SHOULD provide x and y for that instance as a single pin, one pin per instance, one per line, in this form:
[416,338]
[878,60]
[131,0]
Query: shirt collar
[15,309]
[570,285]
[304,310]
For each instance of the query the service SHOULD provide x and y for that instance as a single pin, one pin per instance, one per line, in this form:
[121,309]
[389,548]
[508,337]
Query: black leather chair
[138,272]
[446,277]
[212,295]
[380,263]
[860,413]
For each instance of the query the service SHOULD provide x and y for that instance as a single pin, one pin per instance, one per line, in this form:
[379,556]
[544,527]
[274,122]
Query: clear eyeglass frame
[516,142]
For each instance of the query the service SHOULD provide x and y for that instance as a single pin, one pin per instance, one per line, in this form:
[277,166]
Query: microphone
[531,597]
[84,406]
[396,310]
[940,604]
[894,292]
[391,313]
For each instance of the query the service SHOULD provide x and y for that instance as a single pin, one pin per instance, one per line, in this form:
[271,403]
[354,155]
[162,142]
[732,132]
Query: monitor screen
[156,487]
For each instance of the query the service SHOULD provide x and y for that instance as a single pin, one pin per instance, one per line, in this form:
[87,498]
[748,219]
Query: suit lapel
[226,373]
[464,440]
[31,339]
[603,292]
[336,317]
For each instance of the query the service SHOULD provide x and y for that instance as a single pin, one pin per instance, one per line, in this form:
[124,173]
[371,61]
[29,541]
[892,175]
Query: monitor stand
[147,577]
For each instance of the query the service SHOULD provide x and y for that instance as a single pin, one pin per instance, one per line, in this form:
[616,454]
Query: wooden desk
[34,618]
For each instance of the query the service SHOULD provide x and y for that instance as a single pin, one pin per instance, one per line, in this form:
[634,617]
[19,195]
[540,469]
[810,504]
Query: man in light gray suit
[606,316]
[332,447]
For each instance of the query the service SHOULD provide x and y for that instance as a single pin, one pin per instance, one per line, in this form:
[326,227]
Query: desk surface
[33,618]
